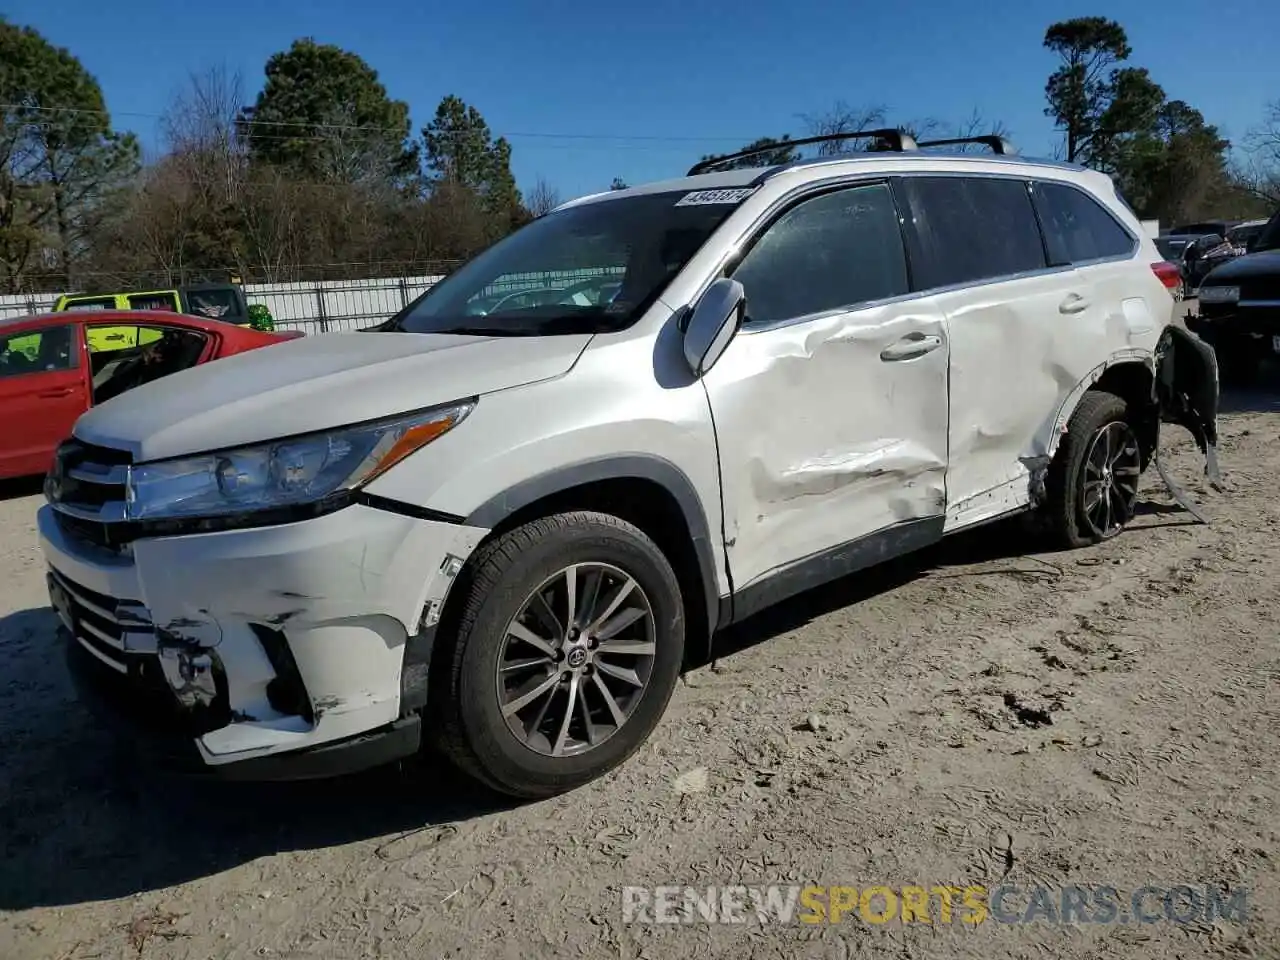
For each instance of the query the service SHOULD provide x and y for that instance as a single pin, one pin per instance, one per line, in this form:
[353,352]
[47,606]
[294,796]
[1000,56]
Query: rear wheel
[565,655]
[1093,480]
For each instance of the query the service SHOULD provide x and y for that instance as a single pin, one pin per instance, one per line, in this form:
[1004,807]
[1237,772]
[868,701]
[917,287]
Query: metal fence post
[324,319]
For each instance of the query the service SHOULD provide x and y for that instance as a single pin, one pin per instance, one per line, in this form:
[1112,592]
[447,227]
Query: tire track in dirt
[972,715]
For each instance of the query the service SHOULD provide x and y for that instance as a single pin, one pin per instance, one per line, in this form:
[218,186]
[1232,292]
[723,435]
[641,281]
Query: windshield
[1171,249]
[586,269]
[1242,235]
[214,303]
[1269,239]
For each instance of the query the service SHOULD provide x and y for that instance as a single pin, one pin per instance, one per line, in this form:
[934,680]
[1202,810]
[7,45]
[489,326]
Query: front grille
[99,622]
[1260,288]
[119,641]
[87,488]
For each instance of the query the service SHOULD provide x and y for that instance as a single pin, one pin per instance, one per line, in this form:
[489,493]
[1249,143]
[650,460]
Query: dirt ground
[979,714]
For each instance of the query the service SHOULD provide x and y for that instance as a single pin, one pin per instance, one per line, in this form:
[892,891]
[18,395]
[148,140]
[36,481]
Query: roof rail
[896,140]
[997,143]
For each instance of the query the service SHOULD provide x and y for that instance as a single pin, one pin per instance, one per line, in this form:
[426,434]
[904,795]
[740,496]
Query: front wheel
[1093,480]
[564,657]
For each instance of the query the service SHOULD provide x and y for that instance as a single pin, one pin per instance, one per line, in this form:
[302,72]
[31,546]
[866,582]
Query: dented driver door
[830,405]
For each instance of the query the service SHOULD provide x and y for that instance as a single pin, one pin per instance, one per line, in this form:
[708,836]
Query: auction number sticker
[700,197]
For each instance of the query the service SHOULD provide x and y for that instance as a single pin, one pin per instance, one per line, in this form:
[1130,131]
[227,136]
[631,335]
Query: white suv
[500,523]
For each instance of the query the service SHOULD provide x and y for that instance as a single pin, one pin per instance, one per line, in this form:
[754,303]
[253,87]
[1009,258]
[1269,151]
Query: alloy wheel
[576,659]
[1112,467]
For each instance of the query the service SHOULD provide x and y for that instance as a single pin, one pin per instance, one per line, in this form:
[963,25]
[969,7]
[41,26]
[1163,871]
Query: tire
[501,584]
[1075,465]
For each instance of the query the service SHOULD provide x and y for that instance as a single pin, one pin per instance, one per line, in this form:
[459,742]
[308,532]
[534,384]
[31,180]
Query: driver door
[830,405]
[43,391]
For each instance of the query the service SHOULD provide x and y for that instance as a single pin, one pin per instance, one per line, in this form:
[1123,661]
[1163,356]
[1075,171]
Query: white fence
[333,305]
[318,307]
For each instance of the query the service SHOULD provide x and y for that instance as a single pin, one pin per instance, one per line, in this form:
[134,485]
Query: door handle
[1073,304]
[53,394]
[911,346]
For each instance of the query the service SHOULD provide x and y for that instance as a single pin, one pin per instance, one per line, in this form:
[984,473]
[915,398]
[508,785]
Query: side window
[41,351]
[1077,228]
[837,250]
[152,301]
[124,357]
[971,229]
[92,303]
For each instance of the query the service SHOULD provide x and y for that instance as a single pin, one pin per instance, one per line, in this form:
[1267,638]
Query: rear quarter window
[1077,228]
[970,229]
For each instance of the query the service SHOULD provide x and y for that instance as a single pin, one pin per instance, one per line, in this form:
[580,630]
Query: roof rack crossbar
[896,140]
[997,143]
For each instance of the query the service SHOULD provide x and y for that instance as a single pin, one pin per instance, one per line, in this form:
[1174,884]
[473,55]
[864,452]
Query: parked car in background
[214,301]
[1220,227]
[55,367]
[1239,312]
[1244,234]
[1195,255]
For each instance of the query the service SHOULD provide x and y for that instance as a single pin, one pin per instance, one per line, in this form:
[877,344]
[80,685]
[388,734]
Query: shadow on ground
[20,487]
[1261,395]
[1006,539]
[81,821]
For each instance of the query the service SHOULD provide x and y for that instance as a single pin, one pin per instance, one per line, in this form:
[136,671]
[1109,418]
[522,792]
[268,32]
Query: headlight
[283,473]
[1219,294]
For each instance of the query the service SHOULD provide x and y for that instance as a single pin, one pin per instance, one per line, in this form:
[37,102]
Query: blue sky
[587,91]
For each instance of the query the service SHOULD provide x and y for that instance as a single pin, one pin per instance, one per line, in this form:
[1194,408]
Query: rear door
[1118,303]
[977,246]
[43,390]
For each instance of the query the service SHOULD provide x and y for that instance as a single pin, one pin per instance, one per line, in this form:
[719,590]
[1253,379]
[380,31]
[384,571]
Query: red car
[55,367]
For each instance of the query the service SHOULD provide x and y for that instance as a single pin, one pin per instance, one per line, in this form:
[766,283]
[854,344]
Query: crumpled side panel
[821,440]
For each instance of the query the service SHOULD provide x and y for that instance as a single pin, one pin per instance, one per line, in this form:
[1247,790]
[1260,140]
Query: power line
[364,128]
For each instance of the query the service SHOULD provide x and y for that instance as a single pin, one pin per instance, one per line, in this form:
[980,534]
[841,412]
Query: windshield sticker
[699,197]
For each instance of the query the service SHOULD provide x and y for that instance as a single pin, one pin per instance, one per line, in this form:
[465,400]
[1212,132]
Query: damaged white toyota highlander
[499,522]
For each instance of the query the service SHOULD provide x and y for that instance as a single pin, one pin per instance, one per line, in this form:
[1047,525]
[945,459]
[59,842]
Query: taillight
[1168,274]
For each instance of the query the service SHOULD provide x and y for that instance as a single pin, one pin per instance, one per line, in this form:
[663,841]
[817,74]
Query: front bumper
[280,652]
[1245,320]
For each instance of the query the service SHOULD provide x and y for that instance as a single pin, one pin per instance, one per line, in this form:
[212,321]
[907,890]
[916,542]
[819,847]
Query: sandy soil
[982,713]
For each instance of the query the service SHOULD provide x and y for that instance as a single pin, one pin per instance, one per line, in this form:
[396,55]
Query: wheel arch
[651,492]
[1130,375]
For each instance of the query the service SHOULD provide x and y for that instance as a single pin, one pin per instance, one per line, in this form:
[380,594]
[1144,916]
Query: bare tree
[1260,172]
[977,126]
[542,199]
[842,118]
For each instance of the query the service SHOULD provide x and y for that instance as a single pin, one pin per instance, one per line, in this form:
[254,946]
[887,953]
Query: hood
[317,383]
[1248,267]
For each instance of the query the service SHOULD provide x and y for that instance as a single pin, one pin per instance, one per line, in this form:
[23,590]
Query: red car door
[43,390]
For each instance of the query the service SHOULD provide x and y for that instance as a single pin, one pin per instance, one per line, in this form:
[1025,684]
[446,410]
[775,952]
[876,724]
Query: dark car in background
[1242,235]
[1195,254]
[1239,311]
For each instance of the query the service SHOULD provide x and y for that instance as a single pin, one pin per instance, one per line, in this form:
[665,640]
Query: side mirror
[713,323]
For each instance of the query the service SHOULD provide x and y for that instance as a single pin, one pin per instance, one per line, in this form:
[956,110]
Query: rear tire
[1092,484]
[603,687]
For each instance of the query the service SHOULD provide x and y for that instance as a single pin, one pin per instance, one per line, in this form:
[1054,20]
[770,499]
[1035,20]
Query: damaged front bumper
[272,653]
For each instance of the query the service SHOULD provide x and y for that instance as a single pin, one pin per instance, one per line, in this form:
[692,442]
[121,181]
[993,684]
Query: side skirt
[821,568]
